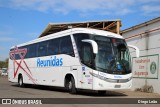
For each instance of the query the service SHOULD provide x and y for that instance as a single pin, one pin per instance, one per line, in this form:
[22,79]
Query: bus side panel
[11,71]
[69,67]
[46,74]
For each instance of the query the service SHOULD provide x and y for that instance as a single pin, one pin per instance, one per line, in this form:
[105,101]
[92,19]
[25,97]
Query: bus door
[86,77]
[83,76]
[87,58]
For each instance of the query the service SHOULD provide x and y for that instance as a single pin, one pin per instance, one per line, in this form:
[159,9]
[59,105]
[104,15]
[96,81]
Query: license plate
[117,86]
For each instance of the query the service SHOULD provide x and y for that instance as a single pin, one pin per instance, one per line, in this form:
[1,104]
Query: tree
[4,64]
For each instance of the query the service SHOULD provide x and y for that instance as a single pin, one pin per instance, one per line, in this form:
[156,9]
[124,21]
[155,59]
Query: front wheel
[71,86]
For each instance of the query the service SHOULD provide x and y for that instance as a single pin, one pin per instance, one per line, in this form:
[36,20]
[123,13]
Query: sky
[24,20]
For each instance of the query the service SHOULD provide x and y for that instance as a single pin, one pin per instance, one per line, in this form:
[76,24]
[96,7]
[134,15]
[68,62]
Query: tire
[101,92]
[71,86]
[20,81]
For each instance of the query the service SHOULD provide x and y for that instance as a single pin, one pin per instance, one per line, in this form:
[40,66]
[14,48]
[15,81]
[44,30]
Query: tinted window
[32,51]
[42,48]
[78,39]
[87,54]
[66,46]
[11,50]
[53,47]
[61,45]
[17,55]
[27,54]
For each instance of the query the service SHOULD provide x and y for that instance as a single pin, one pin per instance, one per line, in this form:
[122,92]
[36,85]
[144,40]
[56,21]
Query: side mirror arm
[136,49]
[93,43]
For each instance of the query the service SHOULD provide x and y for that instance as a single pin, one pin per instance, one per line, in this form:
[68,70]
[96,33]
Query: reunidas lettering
[50,62]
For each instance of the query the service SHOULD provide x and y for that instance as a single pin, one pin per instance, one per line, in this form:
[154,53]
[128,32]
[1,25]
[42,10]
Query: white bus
[77,58]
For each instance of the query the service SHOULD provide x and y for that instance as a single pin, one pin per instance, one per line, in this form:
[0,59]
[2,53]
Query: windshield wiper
[104,70]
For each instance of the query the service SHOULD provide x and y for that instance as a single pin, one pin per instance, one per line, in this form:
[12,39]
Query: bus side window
[53,47]
[10,56]
[66,46]
[32,51]
[42,48]
[78,39]
[87,54]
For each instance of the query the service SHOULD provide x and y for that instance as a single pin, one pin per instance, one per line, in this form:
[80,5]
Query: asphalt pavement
[11,90]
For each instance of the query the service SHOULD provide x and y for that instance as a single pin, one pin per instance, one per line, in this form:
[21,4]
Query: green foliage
[4,64]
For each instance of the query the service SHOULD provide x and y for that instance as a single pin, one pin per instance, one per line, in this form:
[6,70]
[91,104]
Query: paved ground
[11,90]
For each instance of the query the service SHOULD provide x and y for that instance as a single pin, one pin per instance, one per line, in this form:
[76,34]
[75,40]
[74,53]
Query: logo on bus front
[53,61]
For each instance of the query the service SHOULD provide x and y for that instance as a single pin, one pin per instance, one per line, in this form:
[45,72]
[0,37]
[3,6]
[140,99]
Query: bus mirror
[135,48]
[93,43]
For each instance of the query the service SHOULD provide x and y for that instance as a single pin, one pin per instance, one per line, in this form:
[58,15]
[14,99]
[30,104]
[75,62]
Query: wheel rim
[20,82]
[70,85]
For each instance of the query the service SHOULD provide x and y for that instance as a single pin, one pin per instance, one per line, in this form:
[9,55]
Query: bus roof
[72,31]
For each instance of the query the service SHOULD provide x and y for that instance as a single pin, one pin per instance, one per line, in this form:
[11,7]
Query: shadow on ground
[80,92]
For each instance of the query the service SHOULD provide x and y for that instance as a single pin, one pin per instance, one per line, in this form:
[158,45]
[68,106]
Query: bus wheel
[20,81]
[71,86]
[101,92]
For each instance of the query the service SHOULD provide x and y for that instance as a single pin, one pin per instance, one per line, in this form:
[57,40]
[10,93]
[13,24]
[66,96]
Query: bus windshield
[113,55]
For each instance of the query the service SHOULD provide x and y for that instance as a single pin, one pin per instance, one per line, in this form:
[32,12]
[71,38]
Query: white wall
[149,44]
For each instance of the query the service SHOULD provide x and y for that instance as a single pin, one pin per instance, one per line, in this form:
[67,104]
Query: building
[106,25]
[146,68]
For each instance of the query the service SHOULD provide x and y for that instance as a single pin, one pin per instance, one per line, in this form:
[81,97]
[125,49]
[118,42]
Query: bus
[76,58]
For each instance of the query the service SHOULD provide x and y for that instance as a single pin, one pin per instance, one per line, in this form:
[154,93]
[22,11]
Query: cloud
[5,35]
[5,39]
[102,7]
[66,6]
[150,9]
[147,1]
